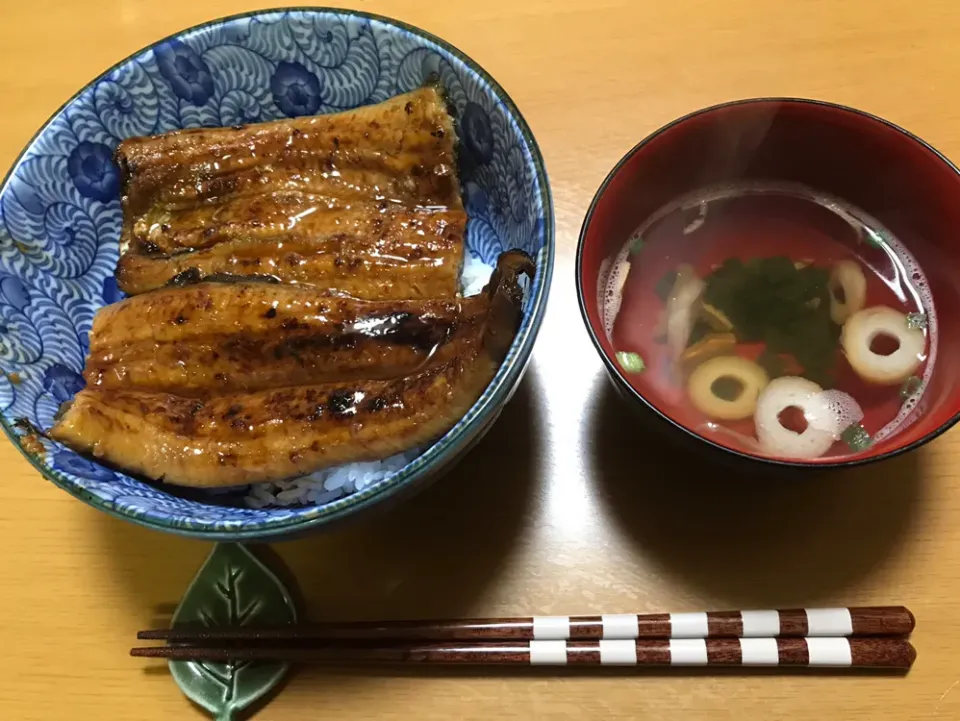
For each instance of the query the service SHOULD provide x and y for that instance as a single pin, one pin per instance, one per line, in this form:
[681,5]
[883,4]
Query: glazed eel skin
[362,253]
[216,338]
[308,200]
[282,433]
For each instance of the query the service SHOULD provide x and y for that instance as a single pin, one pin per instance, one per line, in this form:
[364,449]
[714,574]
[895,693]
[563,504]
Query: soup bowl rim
[612,368]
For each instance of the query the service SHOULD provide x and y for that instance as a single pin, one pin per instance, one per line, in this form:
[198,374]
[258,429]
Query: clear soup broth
[772,319]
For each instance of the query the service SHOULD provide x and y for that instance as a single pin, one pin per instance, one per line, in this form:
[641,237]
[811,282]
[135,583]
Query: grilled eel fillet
[217,338]
[363,252]
[276,434]
[353,187]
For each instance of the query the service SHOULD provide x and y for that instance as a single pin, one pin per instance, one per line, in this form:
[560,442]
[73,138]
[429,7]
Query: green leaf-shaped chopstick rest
[233,588]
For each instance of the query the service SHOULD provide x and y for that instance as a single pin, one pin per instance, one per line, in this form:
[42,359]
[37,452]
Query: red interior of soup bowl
[891,175]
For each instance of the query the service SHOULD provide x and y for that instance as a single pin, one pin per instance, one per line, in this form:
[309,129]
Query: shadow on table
[435,554]
[749,539]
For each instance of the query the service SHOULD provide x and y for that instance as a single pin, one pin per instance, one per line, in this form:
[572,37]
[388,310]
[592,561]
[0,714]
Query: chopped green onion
[636,245]
[872,238]
[910,387]
[631,362]
[857,438]
[916,321]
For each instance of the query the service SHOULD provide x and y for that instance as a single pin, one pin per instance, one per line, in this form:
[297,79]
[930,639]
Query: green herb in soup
[631,362]
[857,438]
[782,319]
[771,300]
[916,321]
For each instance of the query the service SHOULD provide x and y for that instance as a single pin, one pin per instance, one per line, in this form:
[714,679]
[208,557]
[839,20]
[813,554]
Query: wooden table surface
[566,507]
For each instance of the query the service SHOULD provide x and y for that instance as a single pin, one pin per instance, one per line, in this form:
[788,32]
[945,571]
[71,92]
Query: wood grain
[585,516]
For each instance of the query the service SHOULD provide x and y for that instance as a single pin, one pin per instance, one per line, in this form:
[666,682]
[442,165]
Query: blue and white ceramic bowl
[60,221]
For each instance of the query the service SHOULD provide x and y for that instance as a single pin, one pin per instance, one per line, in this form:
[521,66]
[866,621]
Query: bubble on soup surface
[787,392]
[834,411]
[613,295]
[698,221]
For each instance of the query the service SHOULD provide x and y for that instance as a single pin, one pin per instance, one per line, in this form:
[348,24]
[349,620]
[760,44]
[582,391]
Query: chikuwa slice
[826,415]
[848,290]
[775,438]
[726,387]
[864,329]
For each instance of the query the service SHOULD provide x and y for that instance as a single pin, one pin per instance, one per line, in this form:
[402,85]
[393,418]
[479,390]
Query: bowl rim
[440,452]
[614,371]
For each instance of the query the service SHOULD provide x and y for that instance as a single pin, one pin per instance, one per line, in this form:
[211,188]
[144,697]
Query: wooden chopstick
[832,652]
[789,623]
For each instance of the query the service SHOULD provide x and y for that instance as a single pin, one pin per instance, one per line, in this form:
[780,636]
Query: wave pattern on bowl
[60,214]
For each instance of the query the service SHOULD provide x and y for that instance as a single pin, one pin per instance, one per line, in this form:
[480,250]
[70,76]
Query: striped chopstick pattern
[837,652]
[822,652]
[861,621]
[791,623]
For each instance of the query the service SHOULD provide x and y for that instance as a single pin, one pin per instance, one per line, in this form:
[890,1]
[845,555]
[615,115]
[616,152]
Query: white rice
[327,485]
[333,483]
[474,276]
